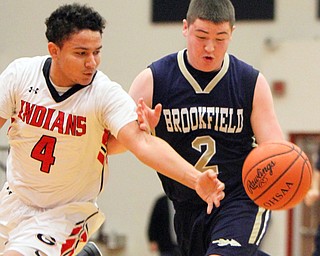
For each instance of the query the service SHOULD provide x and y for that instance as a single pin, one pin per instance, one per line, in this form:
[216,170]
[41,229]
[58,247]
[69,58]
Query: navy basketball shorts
[236,228]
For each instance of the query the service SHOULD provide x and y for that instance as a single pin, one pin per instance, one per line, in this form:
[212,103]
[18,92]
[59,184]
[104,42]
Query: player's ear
[53,49]
[232,29]
[185,27]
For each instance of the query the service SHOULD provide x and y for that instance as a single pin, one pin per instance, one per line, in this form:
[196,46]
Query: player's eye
[82,53]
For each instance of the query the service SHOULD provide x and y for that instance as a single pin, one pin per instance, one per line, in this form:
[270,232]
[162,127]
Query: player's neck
[58,78]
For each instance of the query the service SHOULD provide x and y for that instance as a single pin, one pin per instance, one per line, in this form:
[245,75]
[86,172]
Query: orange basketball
[277,175]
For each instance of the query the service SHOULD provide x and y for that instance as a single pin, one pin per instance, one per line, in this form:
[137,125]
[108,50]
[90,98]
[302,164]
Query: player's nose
[91,62]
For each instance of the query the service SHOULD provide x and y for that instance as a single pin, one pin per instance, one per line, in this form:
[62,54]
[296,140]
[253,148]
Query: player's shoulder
[239,62]
[164,65]
[28,62]
[169,58]
[25,67]
[103,85]
[101,80]
[241,67]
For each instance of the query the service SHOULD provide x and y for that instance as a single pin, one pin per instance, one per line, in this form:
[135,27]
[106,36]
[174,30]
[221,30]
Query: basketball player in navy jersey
[62,110]
[215,107]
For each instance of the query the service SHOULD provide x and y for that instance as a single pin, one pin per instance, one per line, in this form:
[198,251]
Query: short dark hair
[72,18]
[216,11]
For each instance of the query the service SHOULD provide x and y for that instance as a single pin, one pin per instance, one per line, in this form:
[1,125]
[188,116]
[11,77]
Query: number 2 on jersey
[209,152]
[43,152]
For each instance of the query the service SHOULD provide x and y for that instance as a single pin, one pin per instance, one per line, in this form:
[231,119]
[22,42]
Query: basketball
[277,175]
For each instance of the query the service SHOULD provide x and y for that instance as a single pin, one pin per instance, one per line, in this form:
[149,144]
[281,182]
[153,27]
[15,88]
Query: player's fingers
[140,101]
[209,208]
[144,127]
[219,193]
[220,186]
[158,109]
[139,111]
[144,106]
[139,108]
[218,198]
[140,118]
[212,174]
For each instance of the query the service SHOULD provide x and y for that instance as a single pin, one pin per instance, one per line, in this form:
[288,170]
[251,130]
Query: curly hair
[72,18]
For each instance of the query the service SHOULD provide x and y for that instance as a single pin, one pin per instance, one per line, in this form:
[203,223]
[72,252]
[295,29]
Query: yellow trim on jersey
[256,235]
[194,83]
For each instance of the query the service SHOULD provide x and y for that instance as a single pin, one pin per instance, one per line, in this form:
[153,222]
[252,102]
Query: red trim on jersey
[103,154]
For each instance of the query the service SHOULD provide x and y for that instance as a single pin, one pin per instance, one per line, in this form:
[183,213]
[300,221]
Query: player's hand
[154,247]
[148,118]
[312,196]
[210,189]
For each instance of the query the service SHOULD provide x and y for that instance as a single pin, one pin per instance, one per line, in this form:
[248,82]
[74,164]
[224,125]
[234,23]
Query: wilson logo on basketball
[261,178]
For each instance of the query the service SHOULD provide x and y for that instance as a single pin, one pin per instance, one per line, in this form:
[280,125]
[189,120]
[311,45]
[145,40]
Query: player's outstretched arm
[114,146]
[147,119]
[157,154]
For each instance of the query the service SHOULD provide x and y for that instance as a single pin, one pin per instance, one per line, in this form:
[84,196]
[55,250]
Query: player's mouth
[87,77]
[89,73]
[208,58]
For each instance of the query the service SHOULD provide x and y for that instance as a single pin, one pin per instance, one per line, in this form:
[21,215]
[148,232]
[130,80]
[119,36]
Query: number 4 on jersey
[43,152]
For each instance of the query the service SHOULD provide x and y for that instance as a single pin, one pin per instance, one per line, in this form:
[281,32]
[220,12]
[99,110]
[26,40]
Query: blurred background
[284,45]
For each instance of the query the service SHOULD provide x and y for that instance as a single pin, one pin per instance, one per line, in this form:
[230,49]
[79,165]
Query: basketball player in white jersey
[62,111]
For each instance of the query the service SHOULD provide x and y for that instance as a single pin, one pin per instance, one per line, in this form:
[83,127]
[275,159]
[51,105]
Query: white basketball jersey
[58,143]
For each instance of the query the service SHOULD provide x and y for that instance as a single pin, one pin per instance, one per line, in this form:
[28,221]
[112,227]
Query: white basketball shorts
[63,230]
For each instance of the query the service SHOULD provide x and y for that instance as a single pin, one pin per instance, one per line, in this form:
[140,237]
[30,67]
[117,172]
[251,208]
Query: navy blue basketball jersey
[205,118]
